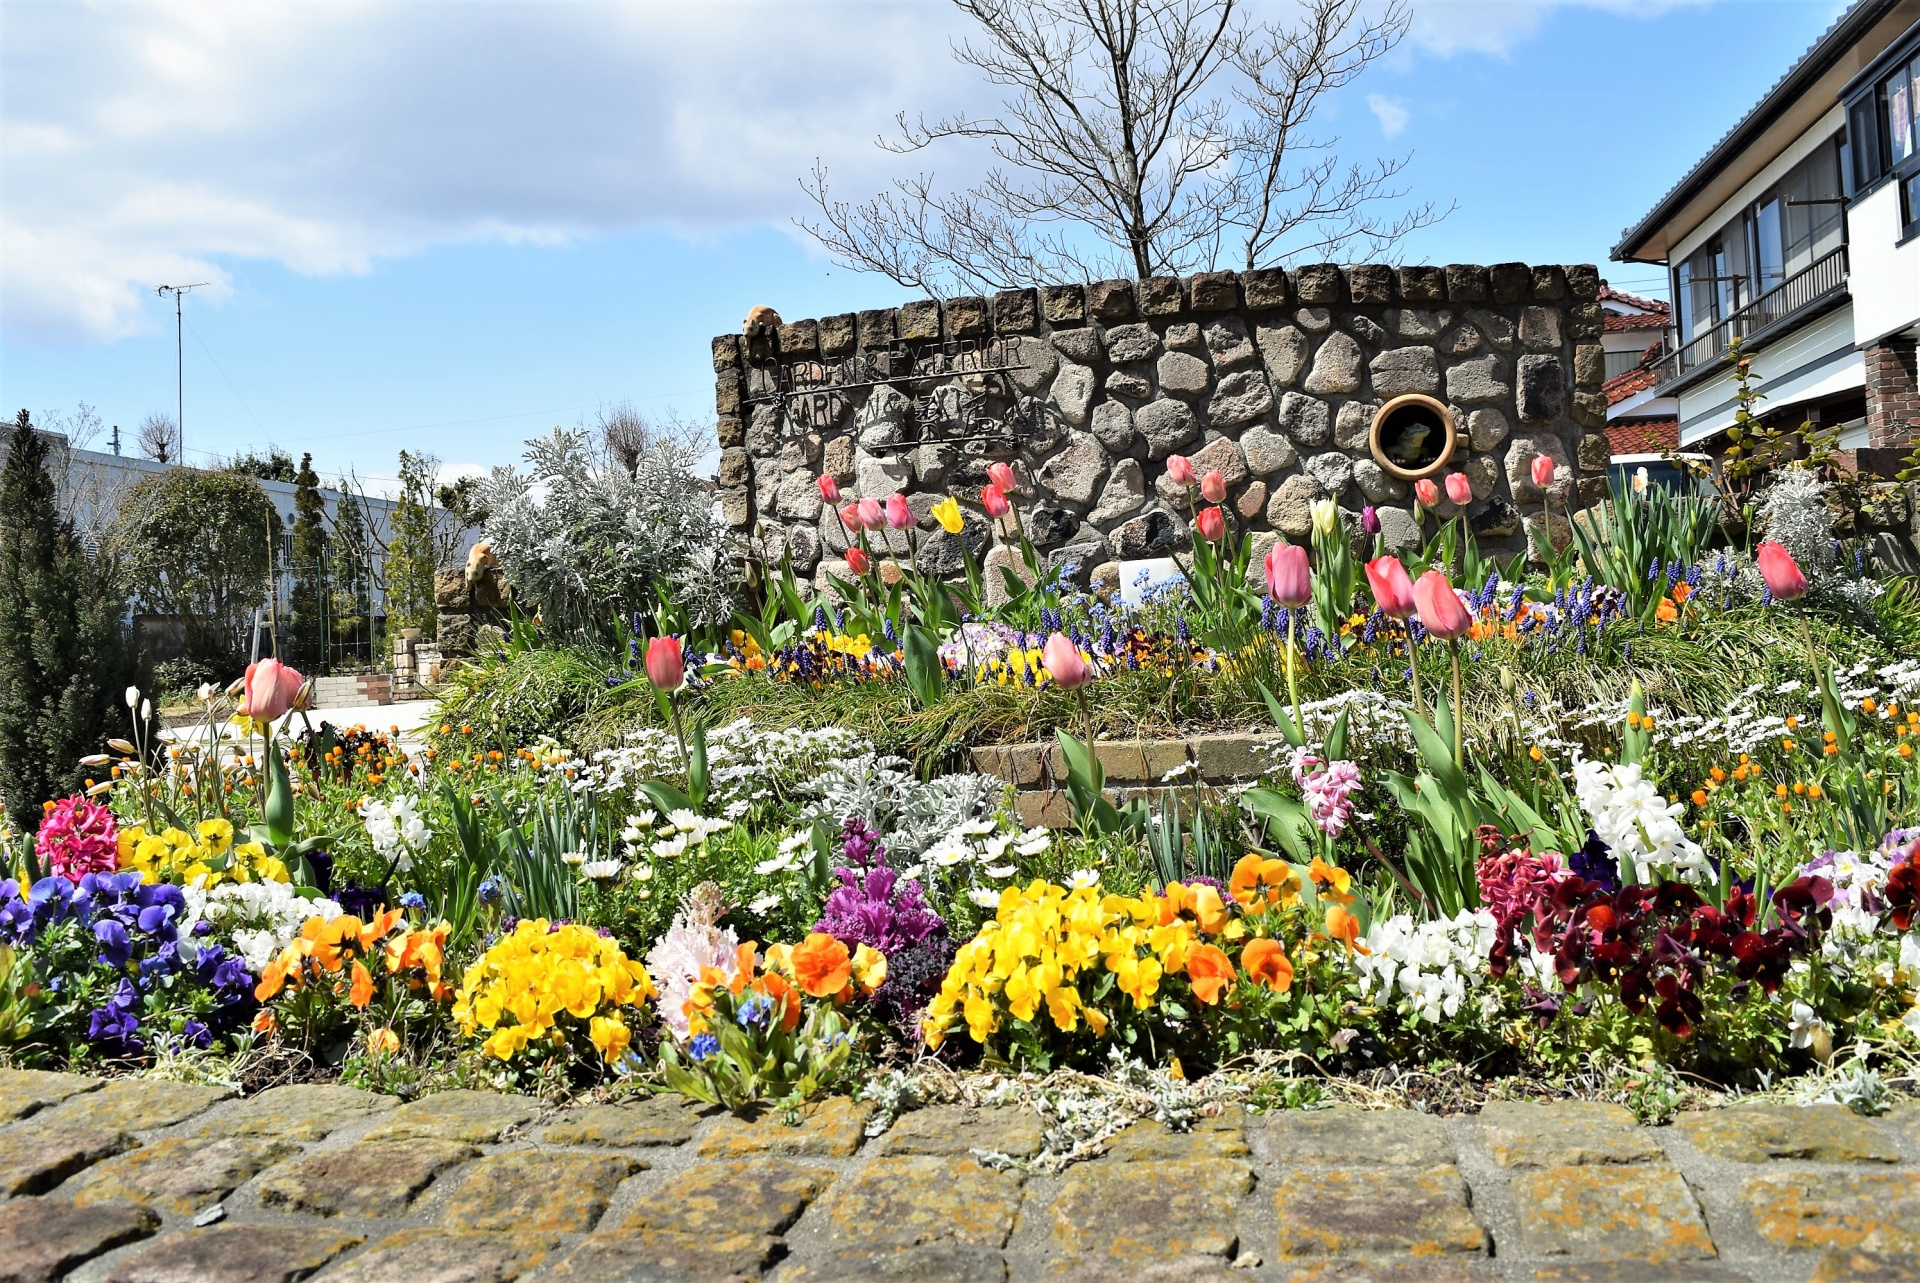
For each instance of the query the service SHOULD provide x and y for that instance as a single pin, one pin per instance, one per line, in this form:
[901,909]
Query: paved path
[409,717]
[107,1180]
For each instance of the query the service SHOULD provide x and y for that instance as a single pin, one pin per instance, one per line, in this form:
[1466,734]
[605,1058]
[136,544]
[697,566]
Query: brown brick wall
[1893,394]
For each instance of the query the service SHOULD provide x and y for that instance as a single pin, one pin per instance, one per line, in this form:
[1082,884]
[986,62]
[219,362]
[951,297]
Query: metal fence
[1822,283]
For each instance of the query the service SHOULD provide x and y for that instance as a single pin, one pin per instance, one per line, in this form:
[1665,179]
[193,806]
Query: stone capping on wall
[1134,769]
[1272,376]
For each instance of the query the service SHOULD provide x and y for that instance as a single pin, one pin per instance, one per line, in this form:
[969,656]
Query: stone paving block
[1837,1266]
[647,1256]
[1565,1133]
[1640,1272]
[1876,1210]
[23,1091]
[236,1254]
[42,1238]
[137,1104]
[829,1128]
[1219,1136]
[953,1131]
[1367,1211]
[931,1263]
[1179,1269]
[1345,1137]
[304,1111]
[34,1158]
[477,1117]
[1391,1270]
[438,1256]
[645,1120]
[905,1202]
[749,1196]
[179,1175]
[534,1192]
[1135,1213]
[368,1178]
[1607,1212]
[1818,1133]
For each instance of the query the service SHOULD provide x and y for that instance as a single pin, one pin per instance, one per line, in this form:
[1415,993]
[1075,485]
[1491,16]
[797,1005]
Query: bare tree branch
[159,438]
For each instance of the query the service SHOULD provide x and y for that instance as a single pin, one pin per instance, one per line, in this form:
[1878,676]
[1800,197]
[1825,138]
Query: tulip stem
[1086,716]
[680,735]
[1459,729]
[1293,683]
[1413,670]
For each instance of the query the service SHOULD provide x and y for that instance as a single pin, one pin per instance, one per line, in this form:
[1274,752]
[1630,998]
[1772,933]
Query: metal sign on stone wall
[958,389]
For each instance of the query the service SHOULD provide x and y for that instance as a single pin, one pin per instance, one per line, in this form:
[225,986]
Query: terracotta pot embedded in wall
[1412,437]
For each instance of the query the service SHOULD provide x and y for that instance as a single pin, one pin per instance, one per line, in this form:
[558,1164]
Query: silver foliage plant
[583,539]
[910,814]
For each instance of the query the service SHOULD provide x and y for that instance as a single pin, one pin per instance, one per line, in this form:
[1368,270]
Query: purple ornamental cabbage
[871,906]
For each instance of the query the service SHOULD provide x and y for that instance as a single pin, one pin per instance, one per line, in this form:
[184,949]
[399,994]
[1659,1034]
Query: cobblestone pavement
[111,1180]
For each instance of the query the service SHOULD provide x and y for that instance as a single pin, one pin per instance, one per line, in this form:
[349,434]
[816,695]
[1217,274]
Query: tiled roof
[1614,322]
[1643,436]
[1608,294]
[1621,386]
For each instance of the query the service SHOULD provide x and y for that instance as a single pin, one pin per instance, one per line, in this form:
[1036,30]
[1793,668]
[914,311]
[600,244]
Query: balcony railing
[1820,285]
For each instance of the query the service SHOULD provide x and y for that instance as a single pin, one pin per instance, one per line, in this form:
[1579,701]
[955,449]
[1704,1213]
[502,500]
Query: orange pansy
[821,965]
[1209,970]
[1267,963]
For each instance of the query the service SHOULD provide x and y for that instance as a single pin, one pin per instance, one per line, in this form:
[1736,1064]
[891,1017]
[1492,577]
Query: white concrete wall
[1885,275]
[1815,360]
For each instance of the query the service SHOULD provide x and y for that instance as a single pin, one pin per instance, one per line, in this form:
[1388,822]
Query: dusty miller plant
[584,541]
[910,814]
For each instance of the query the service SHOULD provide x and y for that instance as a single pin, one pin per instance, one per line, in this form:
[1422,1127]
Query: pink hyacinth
[1328,788]
[79,837]
[1512,882]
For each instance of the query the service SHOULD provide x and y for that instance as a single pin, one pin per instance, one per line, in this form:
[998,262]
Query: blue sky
[446,226]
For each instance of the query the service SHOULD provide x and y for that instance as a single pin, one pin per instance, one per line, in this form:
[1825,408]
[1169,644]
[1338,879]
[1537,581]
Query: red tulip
[1459,489]
[1392,589]
[1001,475]
[858,561]
[871,515]
[666,668]
[1180,469]
[850,518]
[1542,470]
[994,500]
[1212,523]
[1426,492]
[1213,487]
[899,516]
[1063,662]
[829,488]
[1441,613]
[269,689]
[1781,572]
[1289,582]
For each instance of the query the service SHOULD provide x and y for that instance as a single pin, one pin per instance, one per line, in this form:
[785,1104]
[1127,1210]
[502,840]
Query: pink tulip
[850,518]
[1542,470]
[1781,572]
[1213,487]
[1392,589]
[1001,475]
[1459,489]
[1064,664]
[1441,613]
[1426,492]
[1212,523]
[829,488]
[666,667]
[269,689]
[871,514]
[899,516]
[994,500]
[1289,582]
[1180,469]
[858,561]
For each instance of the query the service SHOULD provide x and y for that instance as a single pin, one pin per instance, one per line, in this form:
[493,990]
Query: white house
[1797,235]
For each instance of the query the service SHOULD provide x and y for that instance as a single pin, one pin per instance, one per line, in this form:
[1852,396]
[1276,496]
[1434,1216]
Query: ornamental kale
[113,974]
[871,906]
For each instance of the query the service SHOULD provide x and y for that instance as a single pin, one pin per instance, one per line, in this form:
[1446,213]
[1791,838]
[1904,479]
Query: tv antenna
[179,292]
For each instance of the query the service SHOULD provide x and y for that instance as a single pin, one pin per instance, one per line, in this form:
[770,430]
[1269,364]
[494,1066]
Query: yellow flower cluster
[855,647]
[1043,942]
[543,982]
[209,853]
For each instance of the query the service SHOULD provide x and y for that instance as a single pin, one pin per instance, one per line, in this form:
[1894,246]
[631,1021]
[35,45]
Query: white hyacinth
[396,829]
[1635,822]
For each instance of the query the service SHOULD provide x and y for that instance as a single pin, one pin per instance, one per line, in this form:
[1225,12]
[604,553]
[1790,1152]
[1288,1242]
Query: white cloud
[1392,114]
[1449,27]
[149,144]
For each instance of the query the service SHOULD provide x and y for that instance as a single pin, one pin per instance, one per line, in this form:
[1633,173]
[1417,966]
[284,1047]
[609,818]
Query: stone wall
[1273,377]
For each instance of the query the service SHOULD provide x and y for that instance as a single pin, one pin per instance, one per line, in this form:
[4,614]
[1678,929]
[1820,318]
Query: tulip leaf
[926,676]
[278,811]
[1282,718]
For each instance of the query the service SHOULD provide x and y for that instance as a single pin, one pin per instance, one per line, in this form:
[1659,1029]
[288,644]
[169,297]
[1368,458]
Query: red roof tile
[1608,294]
[1643,436]
[1621,386]
[1614,322]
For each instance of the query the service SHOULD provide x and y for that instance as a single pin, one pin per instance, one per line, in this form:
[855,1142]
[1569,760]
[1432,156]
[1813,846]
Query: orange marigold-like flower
[821,965]
[1342,925]
[1267,963]
[1209,971]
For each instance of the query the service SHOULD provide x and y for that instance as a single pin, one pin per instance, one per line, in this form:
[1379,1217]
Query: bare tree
[1138,137]
[626,436]
[159,438]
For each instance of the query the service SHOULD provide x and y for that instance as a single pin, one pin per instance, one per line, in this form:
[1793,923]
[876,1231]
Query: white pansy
[1803,1027]
[260,918]
[1426,969]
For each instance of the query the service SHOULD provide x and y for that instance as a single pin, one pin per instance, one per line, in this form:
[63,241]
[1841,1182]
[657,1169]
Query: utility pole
[179,292]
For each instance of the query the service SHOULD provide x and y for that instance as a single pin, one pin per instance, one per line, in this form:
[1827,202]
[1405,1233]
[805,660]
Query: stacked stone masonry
[135,1181]
[1270,376]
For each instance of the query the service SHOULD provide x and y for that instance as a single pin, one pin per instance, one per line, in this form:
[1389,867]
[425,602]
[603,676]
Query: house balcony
[1792,303]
